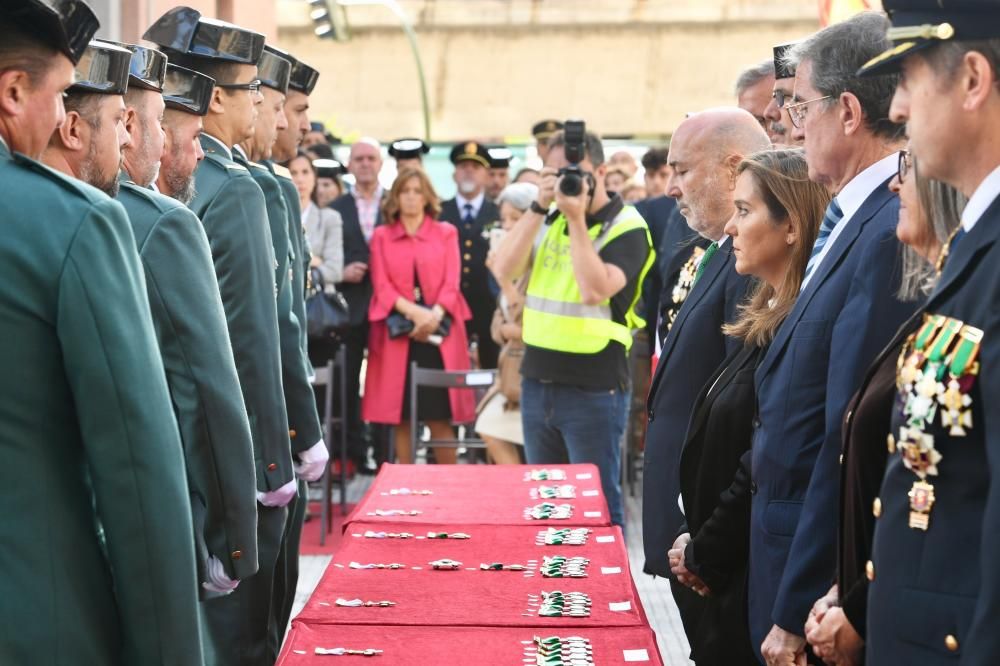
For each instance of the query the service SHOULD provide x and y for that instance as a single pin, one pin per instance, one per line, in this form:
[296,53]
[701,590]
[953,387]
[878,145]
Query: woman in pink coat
[415,272]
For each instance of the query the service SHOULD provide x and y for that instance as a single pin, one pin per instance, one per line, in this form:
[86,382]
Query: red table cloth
[479,494]
[471,597]
[433,646]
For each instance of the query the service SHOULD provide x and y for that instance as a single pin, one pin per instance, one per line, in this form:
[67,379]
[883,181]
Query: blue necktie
[831,219]
[468,217]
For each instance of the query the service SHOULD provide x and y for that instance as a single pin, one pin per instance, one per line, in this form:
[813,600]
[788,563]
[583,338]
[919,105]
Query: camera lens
[571,185]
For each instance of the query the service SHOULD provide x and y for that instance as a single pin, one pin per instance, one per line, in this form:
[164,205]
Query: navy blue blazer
[842,319]
[945,582]
[692,351]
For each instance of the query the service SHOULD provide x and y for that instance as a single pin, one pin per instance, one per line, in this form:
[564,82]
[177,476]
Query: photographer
[587,258]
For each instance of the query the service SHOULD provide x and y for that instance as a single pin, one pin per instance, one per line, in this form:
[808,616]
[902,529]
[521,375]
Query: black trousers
[355,342]
[286,571]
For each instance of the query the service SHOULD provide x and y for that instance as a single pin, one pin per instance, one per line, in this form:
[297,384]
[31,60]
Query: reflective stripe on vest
[555,316]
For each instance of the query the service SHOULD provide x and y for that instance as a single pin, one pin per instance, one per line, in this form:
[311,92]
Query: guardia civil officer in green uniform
[194,341]
[307,446]
[95,546]
[934,591]
[232,209]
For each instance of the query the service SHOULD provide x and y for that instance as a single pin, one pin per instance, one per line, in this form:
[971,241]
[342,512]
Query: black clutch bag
[399,325]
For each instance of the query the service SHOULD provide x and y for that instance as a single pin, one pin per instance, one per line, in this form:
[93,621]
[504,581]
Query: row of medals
[559,651]
[936,370]
[684,284]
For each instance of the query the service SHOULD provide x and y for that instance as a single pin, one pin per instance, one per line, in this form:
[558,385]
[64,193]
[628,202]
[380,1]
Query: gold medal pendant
[921,502]
[919,454]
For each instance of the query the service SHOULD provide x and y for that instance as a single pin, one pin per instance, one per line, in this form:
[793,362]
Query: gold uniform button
[877,507]
[891,442]
[465,269]
[951,643]
[292,433]
[237,554]
[870,570]
[841,458]
[272,467]
[468,243]
[466,256]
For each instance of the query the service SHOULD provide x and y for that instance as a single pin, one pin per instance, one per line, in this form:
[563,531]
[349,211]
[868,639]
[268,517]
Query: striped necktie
[831,219]
[703,264]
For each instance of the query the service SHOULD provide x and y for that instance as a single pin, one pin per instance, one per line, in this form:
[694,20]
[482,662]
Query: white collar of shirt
[476,203]
[153,186]
[377,196]
[853,196]
[229,152]
[981,199]
[5,144]
[239,149]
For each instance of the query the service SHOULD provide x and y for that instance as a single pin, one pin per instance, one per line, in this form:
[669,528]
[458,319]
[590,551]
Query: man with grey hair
[753,89]
[846,313]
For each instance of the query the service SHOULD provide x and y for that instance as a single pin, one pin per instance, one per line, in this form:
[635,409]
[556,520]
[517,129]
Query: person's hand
[574,208]
[217,580]
[355,271]
[314,460]
[835,641]
[677,567]
[547,186]
[510,331]
[783,648]
[425,322]
[315,262]
[280,497]
[819,609]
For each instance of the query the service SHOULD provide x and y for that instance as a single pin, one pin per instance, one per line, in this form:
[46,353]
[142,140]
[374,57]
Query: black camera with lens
[571,184]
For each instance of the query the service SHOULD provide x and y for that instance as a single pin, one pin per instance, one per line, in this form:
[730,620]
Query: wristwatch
[536,208]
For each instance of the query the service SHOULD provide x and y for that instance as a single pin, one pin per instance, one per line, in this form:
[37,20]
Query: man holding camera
[587,257]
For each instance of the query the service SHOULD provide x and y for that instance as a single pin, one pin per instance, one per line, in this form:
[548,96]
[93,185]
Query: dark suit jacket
[357,294]
[691,353]
[474,247]
[946,580]
[841,320]
[656,211]
[715,487]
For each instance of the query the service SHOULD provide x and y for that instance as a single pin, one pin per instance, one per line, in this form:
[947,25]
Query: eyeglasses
[253,86]
[780,97]
[905,165]
[797,111]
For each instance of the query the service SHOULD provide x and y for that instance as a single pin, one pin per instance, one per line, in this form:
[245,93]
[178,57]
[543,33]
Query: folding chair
[325,377]
[469,380]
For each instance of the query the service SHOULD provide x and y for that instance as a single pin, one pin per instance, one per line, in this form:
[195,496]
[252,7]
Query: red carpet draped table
[502,538]
[457,646]
[479,494]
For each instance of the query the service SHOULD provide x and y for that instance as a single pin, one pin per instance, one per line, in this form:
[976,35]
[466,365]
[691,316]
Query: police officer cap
[470,151]
[102,69]
[303,77]
[147,67]
[921,24]
[500,157]
[187,90]
[65,25]
[546,128]
[781,69]
[184,30]
[328,168]
[408,149]
[273,70]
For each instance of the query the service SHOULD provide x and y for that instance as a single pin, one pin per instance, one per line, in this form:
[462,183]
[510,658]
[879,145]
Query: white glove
[279,497]
[314,460]
[218,581]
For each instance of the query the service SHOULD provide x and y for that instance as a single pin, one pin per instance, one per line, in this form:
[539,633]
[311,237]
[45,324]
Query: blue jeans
[578,425]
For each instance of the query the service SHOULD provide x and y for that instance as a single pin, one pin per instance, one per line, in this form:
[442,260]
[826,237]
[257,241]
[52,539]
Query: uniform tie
[831,219]
[703,264]
[468,217]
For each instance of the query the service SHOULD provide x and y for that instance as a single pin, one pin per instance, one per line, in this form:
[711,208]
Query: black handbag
[327,313]
[399,325]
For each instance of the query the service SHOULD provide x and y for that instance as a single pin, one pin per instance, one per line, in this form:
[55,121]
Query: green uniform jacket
[231,208]
[201,375]
[303,420]
[89,440]
[297,235]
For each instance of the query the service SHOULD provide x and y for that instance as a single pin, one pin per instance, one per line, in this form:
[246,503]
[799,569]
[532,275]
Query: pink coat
[434,250]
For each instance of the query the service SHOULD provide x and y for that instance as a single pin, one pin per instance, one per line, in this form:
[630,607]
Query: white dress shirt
[476,204]
[981,199]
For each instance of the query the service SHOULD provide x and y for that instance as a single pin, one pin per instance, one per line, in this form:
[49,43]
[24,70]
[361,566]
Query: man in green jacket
[232,210]
[194,342]
[96,544]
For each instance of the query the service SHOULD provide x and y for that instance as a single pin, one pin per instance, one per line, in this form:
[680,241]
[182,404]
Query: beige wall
[260,15]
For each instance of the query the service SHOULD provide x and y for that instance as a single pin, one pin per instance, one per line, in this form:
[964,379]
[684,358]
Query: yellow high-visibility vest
[555,316]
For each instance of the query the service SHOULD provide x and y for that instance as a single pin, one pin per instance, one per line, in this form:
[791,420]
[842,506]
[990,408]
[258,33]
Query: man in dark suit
[361,210]
[704,153]
[656,209]
[471,211]
[846,312]
[934,585]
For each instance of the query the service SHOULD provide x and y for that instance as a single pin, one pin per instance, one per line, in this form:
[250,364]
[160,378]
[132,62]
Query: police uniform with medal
[233,212]
[96,550]
[191,329]
[934,589]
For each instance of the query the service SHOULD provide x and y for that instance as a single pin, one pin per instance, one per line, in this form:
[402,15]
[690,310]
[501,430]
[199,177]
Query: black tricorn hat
[303,77]
[147,67]
[922,24]
[328,168]
[65,25]
[187,90]
[408,149]
[500,157]
[273,70]
[781,69]
[103,69]
[184,30]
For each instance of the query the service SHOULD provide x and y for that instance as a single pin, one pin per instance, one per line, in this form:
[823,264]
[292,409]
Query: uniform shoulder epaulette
[225,163]
[261,167]
[282,171]
[161,202]
[83,190]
